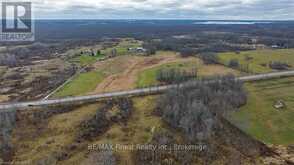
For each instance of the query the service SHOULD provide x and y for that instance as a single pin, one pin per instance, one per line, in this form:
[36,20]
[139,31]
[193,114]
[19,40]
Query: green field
[260,119]
[258,60]
[122,47]
[84,83]
[84,60]
[148,77]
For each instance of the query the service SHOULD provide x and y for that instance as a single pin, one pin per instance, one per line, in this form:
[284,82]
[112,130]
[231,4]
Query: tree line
[172,75]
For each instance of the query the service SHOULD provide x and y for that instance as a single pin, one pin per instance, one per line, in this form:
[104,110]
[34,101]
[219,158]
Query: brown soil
[127,79]
[124,70]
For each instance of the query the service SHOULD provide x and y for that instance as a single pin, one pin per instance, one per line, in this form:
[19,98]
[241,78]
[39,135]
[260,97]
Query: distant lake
[231,22]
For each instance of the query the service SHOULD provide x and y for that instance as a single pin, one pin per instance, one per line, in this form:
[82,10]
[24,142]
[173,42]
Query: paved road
[136,92]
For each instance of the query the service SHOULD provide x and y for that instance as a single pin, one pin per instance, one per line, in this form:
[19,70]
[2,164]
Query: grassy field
[148,76]
[258,60]
[122,47]
[84,83]
[260,119]
[84,60]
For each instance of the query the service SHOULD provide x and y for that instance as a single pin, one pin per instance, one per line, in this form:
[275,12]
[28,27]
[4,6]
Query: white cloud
[198,9]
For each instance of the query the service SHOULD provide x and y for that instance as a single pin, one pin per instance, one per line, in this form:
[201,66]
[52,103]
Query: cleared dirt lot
[130,66]
[125,69]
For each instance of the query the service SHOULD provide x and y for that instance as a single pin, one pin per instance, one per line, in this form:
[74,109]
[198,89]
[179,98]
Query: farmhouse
[275,46]
[88,52]
[279,104]
[137,50]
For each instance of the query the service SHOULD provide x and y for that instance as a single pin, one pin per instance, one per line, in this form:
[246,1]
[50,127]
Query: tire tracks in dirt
[127,79]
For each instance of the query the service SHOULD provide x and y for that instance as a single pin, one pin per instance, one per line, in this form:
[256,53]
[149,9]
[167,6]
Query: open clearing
[148,76]
[114,74]
[82,84]
[258,60]
[84,60]
[140,71]
[122,47]
[260,119]
[129,72]
[132,66]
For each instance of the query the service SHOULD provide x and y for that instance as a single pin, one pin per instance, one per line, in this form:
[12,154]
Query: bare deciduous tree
[195,109]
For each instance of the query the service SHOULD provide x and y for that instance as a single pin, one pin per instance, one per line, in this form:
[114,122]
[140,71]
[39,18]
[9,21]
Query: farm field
[87,59]
[129,72]
[84,83]
[111,74]
[122,47]
[137,72]
[123,71]
[84,60]
[148,77]
[258,60]
[260,119]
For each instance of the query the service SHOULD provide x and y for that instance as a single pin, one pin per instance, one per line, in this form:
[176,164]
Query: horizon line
[176,19]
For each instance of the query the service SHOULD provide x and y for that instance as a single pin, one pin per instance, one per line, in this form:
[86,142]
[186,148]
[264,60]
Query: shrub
[151,49]
[126,107]
[105,117]
[234,63]
[95,126]
[170,76]
[186,52]
[7,124]
[209,58]
[277,65]
[106,157]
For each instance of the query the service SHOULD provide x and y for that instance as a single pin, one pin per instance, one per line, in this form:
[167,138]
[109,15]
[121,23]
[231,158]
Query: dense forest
[184,36]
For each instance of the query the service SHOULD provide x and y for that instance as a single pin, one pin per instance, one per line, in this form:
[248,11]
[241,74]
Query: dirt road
[127,79]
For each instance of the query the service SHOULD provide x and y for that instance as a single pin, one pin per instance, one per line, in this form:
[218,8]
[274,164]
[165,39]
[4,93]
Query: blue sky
[165,9]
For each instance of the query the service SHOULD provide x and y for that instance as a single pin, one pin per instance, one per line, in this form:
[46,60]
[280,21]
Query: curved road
[136,92]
